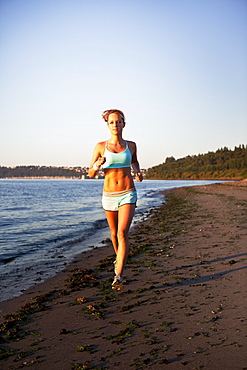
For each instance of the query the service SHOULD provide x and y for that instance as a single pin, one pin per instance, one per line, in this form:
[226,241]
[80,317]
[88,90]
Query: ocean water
[44,224]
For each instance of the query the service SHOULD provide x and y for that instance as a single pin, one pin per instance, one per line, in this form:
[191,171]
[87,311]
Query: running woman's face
[115,123]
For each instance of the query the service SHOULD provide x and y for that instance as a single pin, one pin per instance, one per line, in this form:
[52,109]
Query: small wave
[18,208]
[4,223]
[4,259]
[100,224]
[150,193]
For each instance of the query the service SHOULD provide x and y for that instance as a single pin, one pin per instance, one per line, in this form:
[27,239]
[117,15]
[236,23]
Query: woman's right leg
[112,219]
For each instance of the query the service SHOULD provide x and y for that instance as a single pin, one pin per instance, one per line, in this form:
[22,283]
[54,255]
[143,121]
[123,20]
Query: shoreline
[183,303]
[18,277]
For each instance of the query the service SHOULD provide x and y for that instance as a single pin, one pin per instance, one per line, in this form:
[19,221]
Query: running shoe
[117,282]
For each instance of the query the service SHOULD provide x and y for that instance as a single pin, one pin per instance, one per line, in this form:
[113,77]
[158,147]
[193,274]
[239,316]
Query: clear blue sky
[177,68]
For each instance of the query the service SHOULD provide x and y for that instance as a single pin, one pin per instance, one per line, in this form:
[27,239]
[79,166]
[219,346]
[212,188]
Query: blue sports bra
[117,160]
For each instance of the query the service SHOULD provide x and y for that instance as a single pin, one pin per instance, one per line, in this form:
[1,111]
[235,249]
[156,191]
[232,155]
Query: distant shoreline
[41,178]
[101,177]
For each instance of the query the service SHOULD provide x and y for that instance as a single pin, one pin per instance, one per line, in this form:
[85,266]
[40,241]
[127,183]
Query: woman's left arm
[135,165]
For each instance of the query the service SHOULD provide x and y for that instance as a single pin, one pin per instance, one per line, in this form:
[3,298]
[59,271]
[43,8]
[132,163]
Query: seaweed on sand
[82,278]
[11,329]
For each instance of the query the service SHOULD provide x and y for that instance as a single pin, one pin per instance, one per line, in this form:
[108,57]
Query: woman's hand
[100,161]
[137,171]
[138,176]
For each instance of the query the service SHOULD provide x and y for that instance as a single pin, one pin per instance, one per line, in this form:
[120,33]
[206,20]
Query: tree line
[223,164]
[41,171]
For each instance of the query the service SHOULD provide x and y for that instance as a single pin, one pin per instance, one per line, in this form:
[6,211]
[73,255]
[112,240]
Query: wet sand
[184,303]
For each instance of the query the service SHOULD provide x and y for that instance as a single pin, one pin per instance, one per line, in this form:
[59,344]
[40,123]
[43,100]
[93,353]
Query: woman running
[116,157]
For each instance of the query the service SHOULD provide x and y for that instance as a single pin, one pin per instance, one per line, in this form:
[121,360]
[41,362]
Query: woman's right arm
[97,161]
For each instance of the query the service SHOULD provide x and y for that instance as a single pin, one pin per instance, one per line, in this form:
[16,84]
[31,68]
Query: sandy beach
[184,304]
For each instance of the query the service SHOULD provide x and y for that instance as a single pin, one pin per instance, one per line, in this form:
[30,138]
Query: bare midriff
[118,179]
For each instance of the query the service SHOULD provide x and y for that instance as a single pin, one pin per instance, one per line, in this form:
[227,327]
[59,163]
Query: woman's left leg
[125,216]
